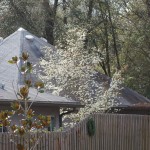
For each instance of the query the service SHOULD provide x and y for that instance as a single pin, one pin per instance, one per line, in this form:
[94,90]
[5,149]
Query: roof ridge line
[11,35]
[8,37]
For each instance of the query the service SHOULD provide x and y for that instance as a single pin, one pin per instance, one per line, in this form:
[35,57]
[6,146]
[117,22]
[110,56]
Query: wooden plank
[50,141]
[61,141]
[94,137]
[47,141]
[70,144]
[3,147]
[80,135]
[98,128]
[85,135]
[74,139]
[71,139]
[47,138]
[8,141]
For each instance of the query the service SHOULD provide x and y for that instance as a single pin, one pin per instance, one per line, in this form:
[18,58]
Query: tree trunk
[64,9]
[50,14]
[107,48]
[114,37]
[102,63]
[89,16]
[106,41]
[148,7]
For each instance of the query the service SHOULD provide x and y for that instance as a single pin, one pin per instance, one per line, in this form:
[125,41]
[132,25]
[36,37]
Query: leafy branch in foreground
[22,107]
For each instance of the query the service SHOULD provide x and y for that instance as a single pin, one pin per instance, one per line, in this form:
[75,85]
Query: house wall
[47,110]
[44,110]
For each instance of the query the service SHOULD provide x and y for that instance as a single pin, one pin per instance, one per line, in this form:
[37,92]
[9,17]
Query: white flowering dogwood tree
[69,70]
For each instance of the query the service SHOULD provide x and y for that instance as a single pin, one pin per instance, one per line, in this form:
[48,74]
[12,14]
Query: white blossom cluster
[70,71]
[70,65]
[111,96]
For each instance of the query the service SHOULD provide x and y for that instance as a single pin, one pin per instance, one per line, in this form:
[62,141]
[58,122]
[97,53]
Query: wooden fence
[113,132]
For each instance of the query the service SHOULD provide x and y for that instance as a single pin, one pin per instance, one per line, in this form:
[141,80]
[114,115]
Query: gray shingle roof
[14,45]
[127,95]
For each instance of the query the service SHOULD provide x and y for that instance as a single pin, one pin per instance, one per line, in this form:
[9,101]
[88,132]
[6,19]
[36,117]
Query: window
[52,124]
[3,129]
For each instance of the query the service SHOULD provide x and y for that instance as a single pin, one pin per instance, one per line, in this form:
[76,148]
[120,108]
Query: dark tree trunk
[89,16]
[106,41]
[148,7]
[107,49]
[102,63]
[50,14]
[114,37]
[64,9]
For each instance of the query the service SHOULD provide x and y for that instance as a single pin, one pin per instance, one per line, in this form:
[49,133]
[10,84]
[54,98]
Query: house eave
[49,103]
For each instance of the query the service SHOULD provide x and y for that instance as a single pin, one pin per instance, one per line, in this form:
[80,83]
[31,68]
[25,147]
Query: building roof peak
[21,29]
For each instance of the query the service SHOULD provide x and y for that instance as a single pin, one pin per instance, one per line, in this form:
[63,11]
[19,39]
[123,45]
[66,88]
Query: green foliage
[91,127]
[135,47]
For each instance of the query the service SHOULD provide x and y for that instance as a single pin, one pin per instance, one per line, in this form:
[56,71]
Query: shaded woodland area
[117,30]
